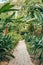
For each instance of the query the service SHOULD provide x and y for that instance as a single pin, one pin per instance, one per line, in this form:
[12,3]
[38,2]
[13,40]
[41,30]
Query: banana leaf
[7,7]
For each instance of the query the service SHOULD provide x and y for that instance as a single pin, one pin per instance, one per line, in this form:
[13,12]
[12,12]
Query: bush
[6,45]
[15,37]
[27,37]
[35,46]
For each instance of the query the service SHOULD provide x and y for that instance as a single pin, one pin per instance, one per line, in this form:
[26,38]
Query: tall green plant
[6,42]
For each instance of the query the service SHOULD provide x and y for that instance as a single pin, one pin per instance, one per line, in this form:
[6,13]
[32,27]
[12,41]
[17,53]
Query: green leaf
[6,7]
[38,15]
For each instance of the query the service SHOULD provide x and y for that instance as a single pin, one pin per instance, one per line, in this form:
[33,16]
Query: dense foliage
[26,22]
[6,45]
[7,42]
[34,38]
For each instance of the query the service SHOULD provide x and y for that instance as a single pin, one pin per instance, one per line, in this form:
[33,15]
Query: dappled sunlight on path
[21,55]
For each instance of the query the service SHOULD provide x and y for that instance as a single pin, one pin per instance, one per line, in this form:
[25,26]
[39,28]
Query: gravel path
[21,55]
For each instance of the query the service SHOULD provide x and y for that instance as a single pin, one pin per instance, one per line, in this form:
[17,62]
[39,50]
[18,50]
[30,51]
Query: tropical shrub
[35,46]
[6,41]
[6,45]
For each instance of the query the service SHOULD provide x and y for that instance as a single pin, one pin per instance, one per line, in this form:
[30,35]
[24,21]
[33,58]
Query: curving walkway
[21,55]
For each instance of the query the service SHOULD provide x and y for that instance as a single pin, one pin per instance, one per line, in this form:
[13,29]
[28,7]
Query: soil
[4,63]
